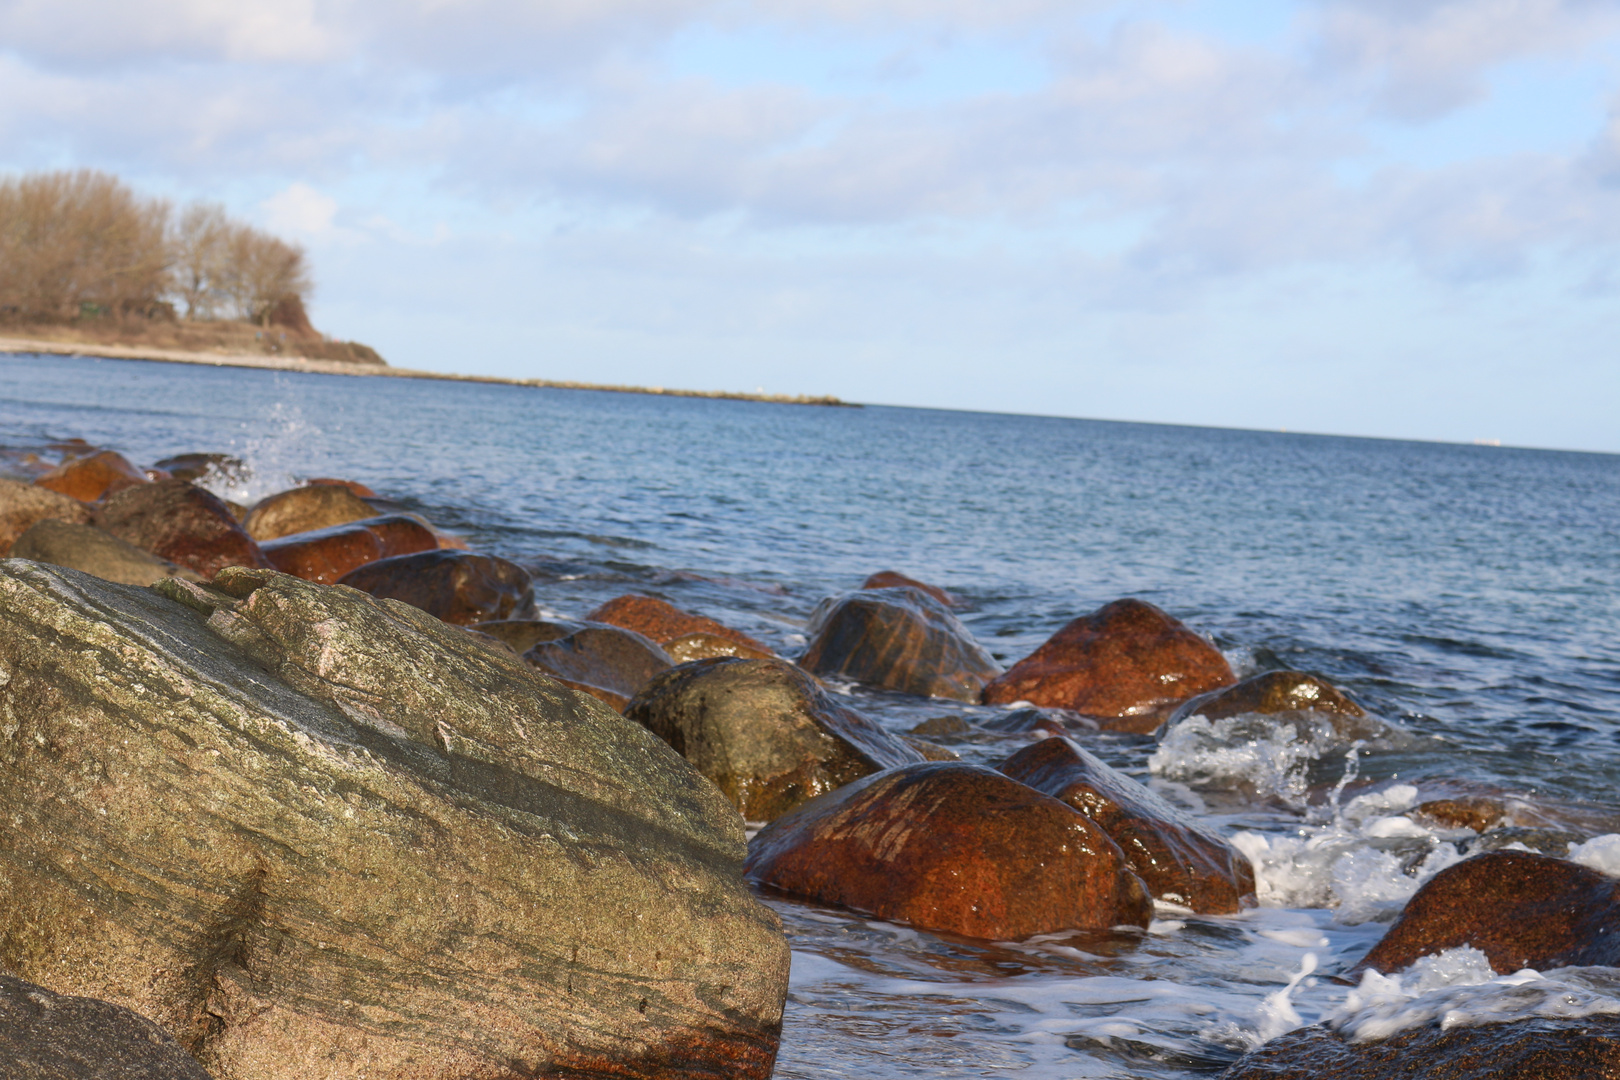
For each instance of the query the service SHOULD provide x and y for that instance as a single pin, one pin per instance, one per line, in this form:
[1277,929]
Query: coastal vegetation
[84,257]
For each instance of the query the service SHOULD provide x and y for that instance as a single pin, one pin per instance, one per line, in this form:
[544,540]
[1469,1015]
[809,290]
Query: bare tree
[200,246]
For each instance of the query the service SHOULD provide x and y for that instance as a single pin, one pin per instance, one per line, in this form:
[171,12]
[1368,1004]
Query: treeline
[81,244]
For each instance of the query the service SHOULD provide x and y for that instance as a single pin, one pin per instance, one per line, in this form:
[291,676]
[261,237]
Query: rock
[1127,662]
[87,548]
[898,639]
[181,522]
[1520,909]
[22,506]
[521,635]
[46,1036]
[607,662]
[767,735]
[353,487]
[1284,692]
[683,635]
[930,751]
[456,586]
[318,836]
[1178,859]
[304,509]
[89,478]
[1478,812]
[325,555]
[1051,721]
[893,579]
[947,727]
[195,467]
[1583,1049]
[952,847]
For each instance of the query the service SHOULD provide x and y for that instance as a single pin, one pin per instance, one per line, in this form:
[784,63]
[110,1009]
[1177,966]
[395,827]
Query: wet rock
[180,522]
[607,662]
[326,555]
[47,1036]
[680,633]
[22,506]
[1178,859]
[930,751]
[1285,693]
[353,487]
[1521,909]
[304,509]
[87,548]
[1128,663]
[897,639]
[89,478]
[1554,842]
[936,727]
[1584,1049]
[893,579]
[456,586]
[1049,720]
[196,467]
[765,732]
[952,847]
[1476,812]
[315,836]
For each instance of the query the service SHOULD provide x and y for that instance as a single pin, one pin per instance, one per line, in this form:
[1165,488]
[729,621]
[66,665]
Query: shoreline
[11,345]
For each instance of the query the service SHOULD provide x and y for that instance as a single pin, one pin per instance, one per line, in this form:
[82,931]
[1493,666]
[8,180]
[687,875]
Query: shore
[336,367]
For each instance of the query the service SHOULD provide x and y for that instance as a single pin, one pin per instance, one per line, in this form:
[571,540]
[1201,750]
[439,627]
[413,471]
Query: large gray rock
[24,505]
[765,732]
[319,835]
[45,1036]
[95,551]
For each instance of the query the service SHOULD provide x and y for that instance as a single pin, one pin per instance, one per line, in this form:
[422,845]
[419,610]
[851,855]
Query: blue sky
[1375,217]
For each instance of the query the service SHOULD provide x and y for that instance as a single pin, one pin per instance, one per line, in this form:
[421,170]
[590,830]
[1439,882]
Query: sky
[1392,218]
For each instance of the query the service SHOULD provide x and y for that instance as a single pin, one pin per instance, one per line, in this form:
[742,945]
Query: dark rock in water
[1520,909]
[1585,1049]
[1477,812]
[87,548]
[326,555]
[936,727]
[315,836]
[1555,842]
[683,635]
[930,751]
[456,586]
[183,523]
[1127,663]
[607,662]
[898,639]
[1275,692]
[893,579]
[90,478]
[952,847]
[521,635]
[1052,721]
[46,1036]
[764,732]
[1179,859]
[196,467]
[304,509]
[22,506]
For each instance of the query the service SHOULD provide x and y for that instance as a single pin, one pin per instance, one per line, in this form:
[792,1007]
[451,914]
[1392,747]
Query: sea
[1468,596]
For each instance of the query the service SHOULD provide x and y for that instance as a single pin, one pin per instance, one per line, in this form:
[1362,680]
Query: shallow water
[1467,594]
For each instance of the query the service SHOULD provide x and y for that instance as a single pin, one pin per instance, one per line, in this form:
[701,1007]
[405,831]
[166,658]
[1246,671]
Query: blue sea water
[1469,595]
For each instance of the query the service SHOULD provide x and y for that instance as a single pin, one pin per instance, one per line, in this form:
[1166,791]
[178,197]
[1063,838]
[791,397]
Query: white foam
[1240,752]
[1601,853]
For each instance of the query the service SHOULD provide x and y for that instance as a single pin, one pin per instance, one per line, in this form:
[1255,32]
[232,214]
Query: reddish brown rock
[1127,662]
[326,555]
[1584,1049]
[22,506]
[1520,909]
[456,586]
[898,639]
[608,662]
[764,732]
[893,579]
[952,847]
[196,467]
[183,523]
[683,635]
[353,487]
[304,509]
[1178,859]
[90,478]
[1284,692]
